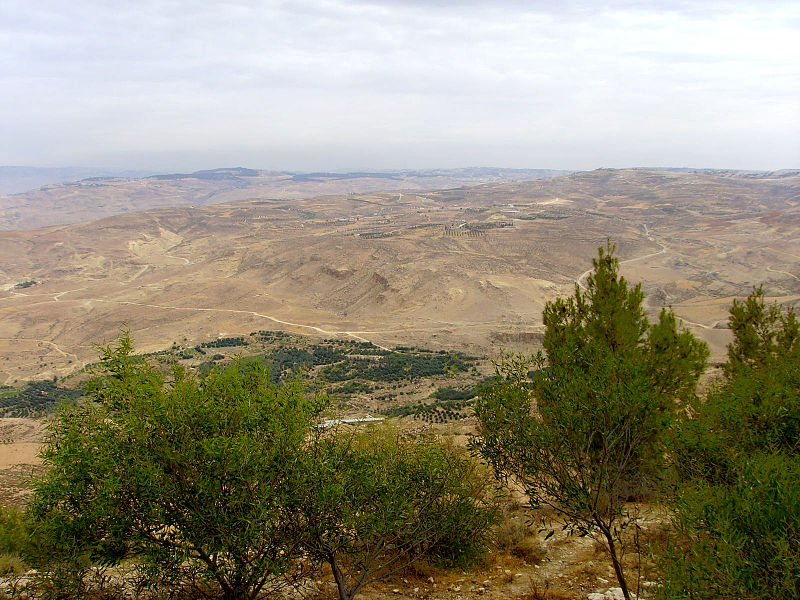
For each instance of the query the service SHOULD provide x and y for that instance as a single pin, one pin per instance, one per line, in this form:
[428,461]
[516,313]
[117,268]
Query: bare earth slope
[98,197]
[467,268]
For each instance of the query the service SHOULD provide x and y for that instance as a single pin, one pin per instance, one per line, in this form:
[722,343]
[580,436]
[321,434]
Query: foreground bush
[377,502]
[13,540]
[228,487]
[738,456]
[582,431]
[193,480]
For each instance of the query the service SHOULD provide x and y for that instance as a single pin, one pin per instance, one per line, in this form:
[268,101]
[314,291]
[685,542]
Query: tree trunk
[233,594]
[338,576]
[615,561]
[236,592]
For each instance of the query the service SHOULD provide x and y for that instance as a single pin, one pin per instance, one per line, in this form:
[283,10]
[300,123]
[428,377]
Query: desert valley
[465,268]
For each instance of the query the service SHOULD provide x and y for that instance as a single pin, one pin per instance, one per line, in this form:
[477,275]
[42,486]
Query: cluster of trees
[609,414]
[36,398]
[228,486]
[397,366]
[287,361]
[358,347]
[348,388]
[456,394]
[345,360]
[225,342]
[345,363]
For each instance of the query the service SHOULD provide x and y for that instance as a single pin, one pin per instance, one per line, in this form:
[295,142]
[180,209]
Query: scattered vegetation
[349,388]
[438,411]
[343,367]
[446,404]
[213,479]
[373,235]
[35,398]
[456,394]
[489,225]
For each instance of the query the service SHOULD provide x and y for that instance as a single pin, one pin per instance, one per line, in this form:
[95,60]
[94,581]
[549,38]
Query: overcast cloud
[326,84]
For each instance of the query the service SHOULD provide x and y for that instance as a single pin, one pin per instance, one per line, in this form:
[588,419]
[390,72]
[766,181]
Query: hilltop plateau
[464,268]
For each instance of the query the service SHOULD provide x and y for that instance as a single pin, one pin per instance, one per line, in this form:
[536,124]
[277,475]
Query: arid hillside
[465,268]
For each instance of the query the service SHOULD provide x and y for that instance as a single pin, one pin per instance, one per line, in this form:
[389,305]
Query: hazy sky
[327,84]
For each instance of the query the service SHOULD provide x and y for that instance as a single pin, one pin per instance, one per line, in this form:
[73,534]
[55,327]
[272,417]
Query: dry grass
[544,592]
[515,537]
[11,564]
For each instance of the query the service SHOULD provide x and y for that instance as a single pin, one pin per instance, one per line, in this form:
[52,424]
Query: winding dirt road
[581,280]
[326,332]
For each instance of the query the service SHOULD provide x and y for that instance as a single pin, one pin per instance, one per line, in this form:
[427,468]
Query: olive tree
[580,425]
[195,480]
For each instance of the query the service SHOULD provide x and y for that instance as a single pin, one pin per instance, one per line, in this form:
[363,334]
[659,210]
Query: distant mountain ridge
[102,196]
[105,195]
[726,172]
[213,174]
[14,180]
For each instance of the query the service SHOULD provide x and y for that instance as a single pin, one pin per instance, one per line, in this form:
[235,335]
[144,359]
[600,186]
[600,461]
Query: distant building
[355,421]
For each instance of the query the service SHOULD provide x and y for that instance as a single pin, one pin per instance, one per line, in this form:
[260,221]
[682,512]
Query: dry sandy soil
[20,441]
[434,269]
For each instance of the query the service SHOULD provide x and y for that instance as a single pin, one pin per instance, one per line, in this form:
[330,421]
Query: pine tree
[581,425]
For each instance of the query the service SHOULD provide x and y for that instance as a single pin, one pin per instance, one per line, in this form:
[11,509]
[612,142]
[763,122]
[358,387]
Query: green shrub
[14,540]
[741,539]
[13,530]
[378,501]
[737,456]
[191,479]
[583,430]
